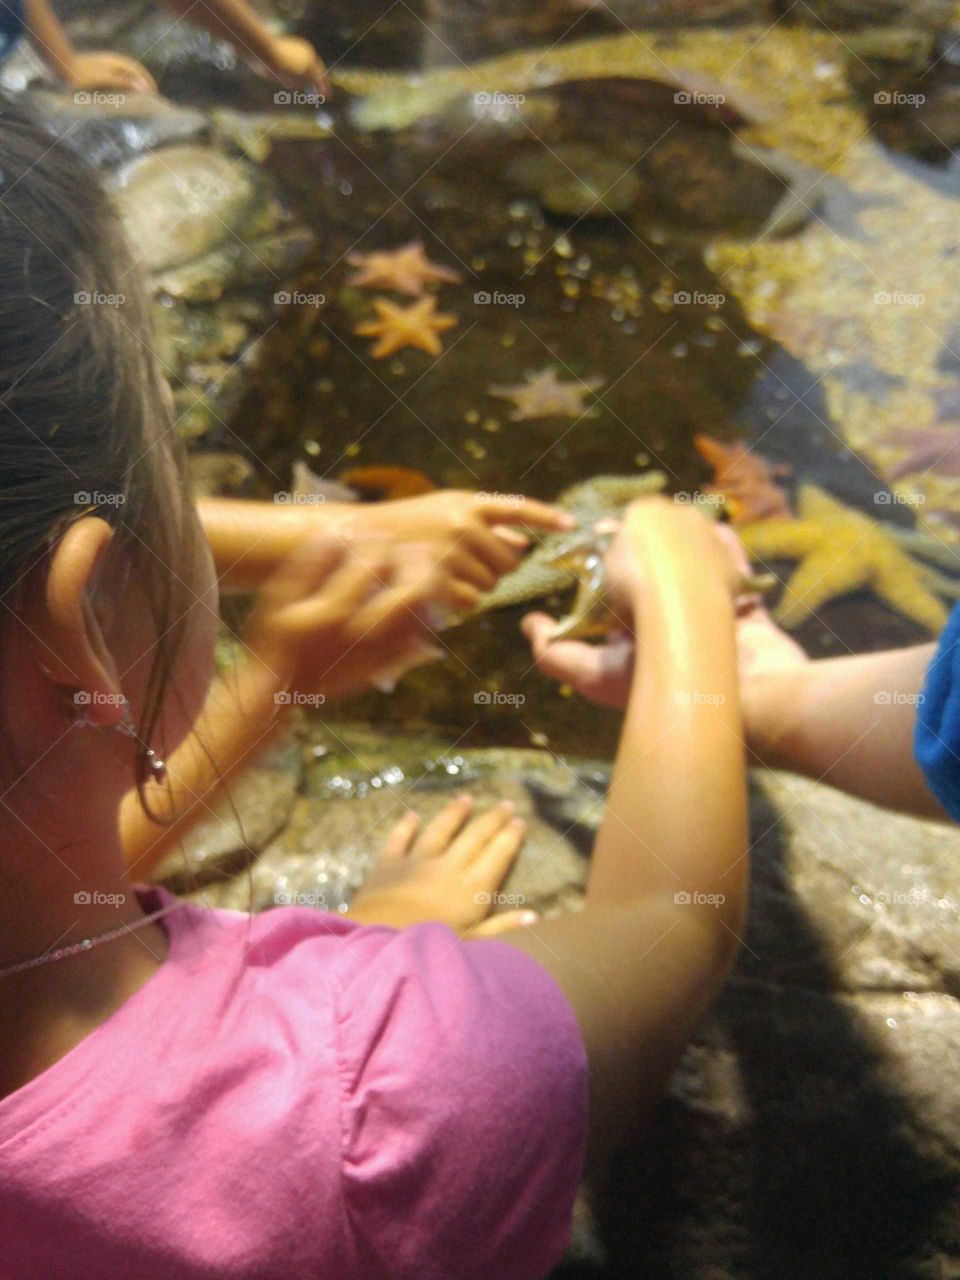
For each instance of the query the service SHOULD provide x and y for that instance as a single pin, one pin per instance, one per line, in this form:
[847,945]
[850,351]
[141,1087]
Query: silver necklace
[87,944]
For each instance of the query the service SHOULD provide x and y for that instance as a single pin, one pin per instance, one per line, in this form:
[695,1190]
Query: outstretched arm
[847,721]
[291,60]
[100,70]
[668,885]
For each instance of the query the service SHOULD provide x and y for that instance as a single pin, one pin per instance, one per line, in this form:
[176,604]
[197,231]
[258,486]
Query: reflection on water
[744,231]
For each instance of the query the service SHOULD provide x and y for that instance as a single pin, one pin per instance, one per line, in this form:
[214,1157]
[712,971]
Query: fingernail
[529,917]
[464,798]
[507,806]
[518,824]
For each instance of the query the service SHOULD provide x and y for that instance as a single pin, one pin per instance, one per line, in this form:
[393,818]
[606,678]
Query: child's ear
[70,647]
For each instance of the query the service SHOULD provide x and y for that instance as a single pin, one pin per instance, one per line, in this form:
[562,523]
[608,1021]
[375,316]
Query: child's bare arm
[667,892]
[97,70]
[291,60]
[324,624]
[847,721]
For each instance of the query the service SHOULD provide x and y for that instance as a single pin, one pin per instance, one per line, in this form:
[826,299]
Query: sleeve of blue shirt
[11,26]
[937,736]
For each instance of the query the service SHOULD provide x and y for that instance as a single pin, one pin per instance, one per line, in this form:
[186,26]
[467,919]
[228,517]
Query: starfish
[930,449]
[543,396]
[841,550]
[414,326]
[746,480]
[405,270]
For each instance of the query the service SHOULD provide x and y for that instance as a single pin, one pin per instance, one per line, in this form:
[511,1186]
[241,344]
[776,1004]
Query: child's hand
[652,527]
[107,70]
[294,63]
[334,614]
[449,871]
[469,535]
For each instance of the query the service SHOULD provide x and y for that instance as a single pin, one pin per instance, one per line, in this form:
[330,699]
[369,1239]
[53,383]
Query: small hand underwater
[480,556]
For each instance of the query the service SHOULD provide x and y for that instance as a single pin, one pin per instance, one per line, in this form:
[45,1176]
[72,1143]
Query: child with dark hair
[380,1095]
[288,59]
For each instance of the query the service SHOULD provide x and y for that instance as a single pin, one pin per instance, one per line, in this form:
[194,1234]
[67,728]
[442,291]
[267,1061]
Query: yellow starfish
[413,326]
[840,550]
[405,270]
[542,395]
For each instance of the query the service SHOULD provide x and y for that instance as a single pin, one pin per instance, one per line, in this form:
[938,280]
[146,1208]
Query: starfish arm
[779,539]
[898,582]
[821,576]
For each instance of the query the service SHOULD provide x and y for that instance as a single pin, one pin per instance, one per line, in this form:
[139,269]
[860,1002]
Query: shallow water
[785,343]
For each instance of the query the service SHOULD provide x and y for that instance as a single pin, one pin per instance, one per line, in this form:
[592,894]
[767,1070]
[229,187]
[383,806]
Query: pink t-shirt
[295,1095]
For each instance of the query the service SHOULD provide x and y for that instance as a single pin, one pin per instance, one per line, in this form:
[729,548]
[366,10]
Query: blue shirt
[11,26]
[937,735]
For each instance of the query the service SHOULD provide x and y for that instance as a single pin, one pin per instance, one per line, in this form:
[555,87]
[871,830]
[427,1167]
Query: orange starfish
[413,326]
[746,479]
[405,270]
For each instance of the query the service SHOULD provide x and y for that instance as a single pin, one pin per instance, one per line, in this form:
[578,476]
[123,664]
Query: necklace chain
[86,944]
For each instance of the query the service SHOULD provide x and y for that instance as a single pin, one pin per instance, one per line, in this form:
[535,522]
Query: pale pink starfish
[404,270]
[543,395]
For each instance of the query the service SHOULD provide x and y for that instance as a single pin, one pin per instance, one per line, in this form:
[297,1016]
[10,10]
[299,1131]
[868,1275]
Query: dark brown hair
[83,407]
